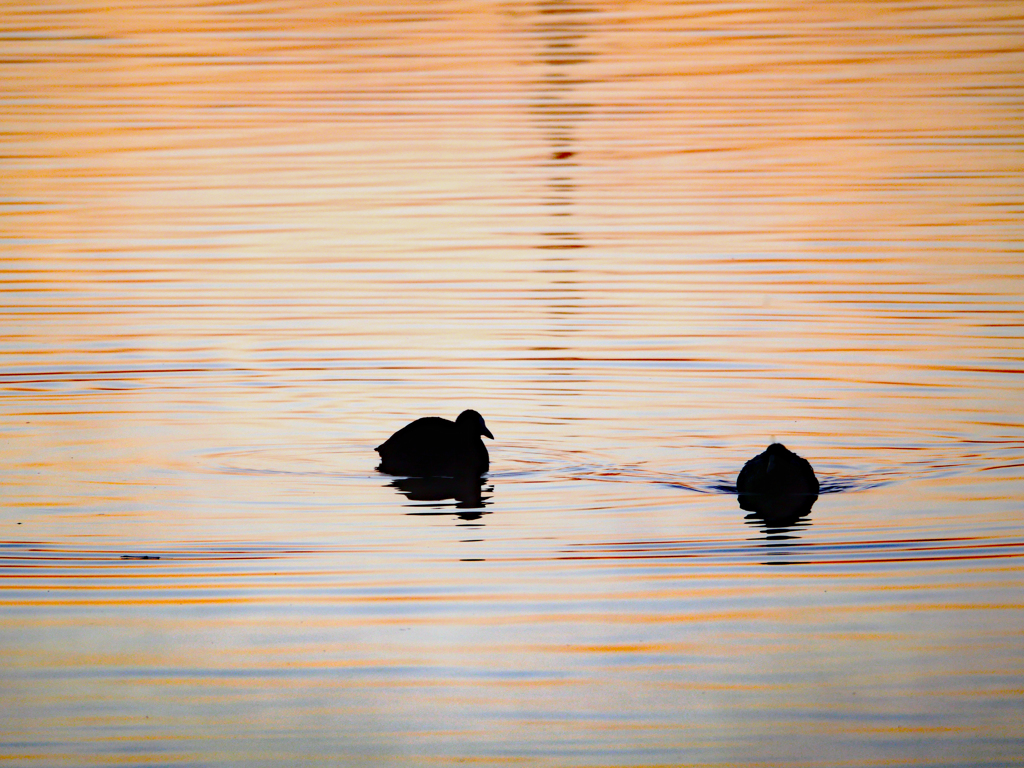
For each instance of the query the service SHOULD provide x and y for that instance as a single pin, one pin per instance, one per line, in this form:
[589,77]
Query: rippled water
[244,244]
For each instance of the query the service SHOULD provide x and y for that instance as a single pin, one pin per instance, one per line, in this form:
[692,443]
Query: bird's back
[777,470]
[777,486]
[418,433]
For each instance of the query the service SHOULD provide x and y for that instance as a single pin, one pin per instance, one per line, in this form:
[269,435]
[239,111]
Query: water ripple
[834,552]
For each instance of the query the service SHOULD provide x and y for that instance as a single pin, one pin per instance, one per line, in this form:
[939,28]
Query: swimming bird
[777,470]
[435,447]
[777,485]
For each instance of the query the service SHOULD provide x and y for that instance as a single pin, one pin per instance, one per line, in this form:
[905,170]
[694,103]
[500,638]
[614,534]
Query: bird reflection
[778,488]
[467,491]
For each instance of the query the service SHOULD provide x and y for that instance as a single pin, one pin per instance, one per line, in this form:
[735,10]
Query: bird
[777,470]
[436,447]
[777,484]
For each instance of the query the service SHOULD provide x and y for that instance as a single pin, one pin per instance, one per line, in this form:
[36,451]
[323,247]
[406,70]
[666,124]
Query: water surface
[243,245]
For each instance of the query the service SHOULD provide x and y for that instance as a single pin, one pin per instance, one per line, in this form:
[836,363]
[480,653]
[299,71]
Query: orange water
[242,244]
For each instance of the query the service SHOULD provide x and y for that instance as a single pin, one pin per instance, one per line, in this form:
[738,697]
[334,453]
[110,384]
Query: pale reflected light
[240,244]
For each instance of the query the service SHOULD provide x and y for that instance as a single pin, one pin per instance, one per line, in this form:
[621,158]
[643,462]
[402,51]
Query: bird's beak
[487,432]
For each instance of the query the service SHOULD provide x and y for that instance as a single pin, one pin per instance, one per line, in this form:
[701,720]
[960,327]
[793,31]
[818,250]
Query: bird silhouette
[777,485]
[435,447]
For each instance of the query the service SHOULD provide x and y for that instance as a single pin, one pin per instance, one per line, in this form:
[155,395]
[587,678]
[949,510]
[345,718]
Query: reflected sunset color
[244,244]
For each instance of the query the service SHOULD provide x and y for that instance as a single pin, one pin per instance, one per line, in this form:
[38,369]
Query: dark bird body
[777,470]
[435,447]
[777,485]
